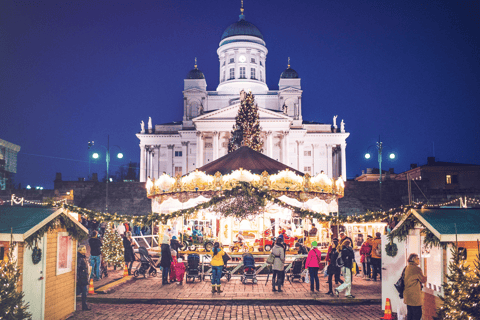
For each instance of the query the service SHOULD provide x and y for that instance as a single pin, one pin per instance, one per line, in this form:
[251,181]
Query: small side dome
[289,73]
[195,73]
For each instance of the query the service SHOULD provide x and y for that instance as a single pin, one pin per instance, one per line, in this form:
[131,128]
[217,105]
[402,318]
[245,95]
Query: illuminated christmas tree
[112,248]
[247,124]
[461,300]
[12,305]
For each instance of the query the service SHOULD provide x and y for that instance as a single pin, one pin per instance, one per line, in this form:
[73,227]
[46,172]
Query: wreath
[36,255]
[391,249]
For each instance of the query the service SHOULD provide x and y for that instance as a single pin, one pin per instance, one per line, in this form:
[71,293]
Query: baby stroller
[296,271]
[193,267]
[147,266]
[249,272]
[225,273]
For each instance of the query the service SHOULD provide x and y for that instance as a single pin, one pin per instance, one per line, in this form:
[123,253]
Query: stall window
[462,252]
[2,253]
[64,253]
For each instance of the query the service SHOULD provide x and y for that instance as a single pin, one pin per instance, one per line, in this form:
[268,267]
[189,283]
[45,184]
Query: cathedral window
[223,65]
[253,60]
[232,60]
[178,171]
[261,75]
[178,153]
[261,63]
[307,153]
[307,170]
[232,73]
[242,73]
[252,74]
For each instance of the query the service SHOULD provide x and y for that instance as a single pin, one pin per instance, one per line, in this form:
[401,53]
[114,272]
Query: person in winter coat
[376,257]
[278,265]
[313,264]
[165,259]
[95,252]
[128,254]
[82,275]
[412,294]
[217,266]
[348,257]
[332,269]
[175,244]
[365,252]
[301,249]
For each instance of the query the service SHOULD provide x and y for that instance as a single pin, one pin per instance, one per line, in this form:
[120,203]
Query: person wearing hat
[175,245]
[332,268]
[313,264]
[82,275]
[365,252]
[165,259]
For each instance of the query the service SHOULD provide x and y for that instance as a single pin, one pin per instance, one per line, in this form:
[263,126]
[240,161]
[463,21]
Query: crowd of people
[339,260]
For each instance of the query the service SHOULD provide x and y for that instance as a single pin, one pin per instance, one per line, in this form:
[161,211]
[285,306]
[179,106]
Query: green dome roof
[195,74]
[289,73]
[242,28]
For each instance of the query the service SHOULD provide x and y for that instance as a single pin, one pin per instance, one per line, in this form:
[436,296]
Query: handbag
[400,284]
[319,260]
[271,258]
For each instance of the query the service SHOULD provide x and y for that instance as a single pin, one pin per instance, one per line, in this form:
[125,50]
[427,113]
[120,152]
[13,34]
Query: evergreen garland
[12,305]
[112,248]
[247,120]
[461,300]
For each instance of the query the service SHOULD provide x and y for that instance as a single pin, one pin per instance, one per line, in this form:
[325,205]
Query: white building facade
[203,134]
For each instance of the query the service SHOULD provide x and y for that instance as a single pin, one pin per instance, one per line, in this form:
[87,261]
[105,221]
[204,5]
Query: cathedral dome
[195,74]
[242,28]
[289,73]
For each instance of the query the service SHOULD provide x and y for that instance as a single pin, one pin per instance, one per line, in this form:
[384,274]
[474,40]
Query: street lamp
[107,159]
[391,156]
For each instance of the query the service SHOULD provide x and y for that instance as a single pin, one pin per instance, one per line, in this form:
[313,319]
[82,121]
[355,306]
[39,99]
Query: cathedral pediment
[290,90]
[229,113]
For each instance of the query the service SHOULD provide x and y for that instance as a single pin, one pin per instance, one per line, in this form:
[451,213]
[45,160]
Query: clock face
[242,58]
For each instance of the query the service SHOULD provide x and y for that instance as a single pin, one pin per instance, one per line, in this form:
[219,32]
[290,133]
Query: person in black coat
[348,258]
[301,249]
[82,275]
[165,259]
[333,269]
[175,245]
[128,254]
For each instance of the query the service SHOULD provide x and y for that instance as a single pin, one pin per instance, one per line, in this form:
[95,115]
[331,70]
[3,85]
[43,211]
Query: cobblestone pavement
[174,312]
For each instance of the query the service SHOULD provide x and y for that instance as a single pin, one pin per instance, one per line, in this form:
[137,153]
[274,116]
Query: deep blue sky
[75,71]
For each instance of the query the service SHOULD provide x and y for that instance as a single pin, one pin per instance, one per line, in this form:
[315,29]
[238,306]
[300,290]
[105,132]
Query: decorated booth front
[248,195]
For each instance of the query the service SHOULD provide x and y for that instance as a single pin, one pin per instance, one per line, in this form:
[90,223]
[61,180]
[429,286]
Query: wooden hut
[48,276]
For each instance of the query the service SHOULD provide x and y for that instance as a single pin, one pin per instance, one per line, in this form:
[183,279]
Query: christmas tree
[12,305]
[461,300]
[112,248]
[247,122]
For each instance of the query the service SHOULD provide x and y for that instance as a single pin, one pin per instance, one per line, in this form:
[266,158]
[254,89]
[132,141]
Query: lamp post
[107,159]
[90,145]
[391,156]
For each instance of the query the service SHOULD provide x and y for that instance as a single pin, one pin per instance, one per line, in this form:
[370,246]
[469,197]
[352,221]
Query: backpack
[378,250]
[340,263]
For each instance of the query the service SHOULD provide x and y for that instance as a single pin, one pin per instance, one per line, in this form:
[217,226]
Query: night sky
[76,71]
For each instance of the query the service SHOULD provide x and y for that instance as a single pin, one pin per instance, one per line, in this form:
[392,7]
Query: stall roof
[442,222]
[26,220]
[247,159]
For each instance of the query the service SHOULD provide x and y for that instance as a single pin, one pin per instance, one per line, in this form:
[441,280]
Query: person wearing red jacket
[365,252]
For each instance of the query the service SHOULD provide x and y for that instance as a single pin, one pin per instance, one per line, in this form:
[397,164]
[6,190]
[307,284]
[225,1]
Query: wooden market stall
[46,254]
[431,233]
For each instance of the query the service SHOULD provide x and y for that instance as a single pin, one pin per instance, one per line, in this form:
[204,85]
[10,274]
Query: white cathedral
[208,116]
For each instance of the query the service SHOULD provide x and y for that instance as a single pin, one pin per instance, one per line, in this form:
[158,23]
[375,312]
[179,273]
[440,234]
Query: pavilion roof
[247,159]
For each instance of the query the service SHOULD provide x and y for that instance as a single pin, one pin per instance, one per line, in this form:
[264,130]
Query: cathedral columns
[344,161]
[158,146]
[184,109]
[329,160]
[300,155]
[143,174]
[269,144]
[215,145]
[171,147]
[185,157]
[285,147]
[200,155]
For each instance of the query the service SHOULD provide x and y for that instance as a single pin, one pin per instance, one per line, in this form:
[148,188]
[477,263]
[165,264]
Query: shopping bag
[401,310]
[325,271]
[307,278]
[354,268]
